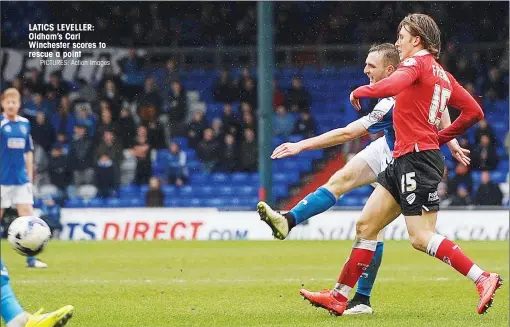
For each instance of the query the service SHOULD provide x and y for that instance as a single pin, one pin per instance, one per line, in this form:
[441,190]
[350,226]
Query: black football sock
[290,220]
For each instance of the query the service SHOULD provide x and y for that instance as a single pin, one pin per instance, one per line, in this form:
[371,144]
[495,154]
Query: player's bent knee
[419,241]
[365,230]
[339,182]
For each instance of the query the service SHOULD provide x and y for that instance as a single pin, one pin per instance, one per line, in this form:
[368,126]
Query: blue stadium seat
[215,202]
[245,191]
[129,191]
[225,190]
[199,178]
[204,191]
[113,203]
[186,191]
[219,178]
[75,203]
[240,178]
[132,202]
[362,191]
[169,190]
[95,203]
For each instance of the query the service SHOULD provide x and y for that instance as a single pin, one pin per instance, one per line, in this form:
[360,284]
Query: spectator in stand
[111,94]
[105,124]
[278,95]
[249,93]
[171,73]
[60,174]
[57,87]
[38,104]
[305,125]
[465,71]
[63,142]
[150,95]
[142,151]
[461,198]
[50,213]
[248,121]
[229,121]
[488,194]
[483,128]
[43,132]
[109,75]
[111,148]
[208,151]
[245,76]
[246,107]
[462,176]
[494,86]
[41,166]
[217,129]
[249,152]
[85,117]
[484,156]
[35,82]
[81,157]
[229,158]
[196,128]
[126,128]
[86,92]
[297,96]
[155,196]
[283,123]
[178,109]
[224,89]
[156,132]
[105,176]
[176,169]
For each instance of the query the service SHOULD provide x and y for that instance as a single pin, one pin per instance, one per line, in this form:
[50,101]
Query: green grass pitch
[145,284]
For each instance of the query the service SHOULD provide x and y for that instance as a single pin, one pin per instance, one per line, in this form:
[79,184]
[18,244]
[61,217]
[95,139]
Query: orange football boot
[486,288]
[325,299]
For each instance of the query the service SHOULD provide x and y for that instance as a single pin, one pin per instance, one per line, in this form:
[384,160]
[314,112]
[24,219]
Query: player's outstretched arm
[457,151]
[470,114]
[403,77]
[335,137]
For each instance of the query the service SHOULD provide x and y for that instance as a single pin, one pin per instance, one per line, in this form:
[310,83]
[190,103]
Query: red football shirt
[423,89]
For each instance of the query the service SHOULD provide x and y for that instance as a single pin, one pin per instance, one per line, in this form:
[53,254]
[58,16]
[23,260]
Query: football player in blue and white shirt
[362,169]
[16,148]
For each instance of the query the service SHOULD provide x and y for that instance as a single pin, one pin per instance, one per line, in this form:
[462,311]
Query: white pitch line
[218,281]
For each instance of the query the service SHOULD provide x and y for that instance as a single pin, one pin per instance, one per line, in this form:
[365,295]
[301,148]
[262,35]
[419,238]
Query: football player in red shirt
[423,90]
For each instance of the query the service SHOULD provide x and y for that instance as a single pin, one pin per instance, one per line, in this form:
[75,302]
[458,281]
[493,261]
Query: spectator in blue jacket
[283,123]
[176,165]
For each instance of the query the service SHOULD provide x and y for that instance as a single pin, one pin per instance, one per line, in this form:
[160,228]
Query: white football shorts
[377,155]
[12,195]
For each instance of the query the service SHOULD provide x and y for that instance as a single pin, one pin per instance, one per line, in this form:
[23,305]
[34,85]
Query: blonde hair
[426,28]
[11,92]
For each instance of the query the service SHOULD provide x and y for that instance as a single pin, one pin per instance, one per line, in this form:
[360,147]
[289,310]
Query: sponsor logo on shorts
[411,198]
[433,196]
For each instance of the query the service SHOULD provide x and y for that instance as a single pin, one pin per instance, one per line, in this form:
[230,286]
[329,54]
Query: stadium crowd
[106,133]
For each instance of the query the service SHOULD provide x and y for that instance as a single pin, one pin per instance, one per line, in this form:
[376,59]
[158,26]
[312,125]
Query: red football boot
[486,287]
[325,299]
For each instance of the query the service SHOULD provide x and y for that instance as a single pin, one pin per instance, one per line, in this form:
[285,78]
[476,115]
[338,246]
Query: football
[28,235]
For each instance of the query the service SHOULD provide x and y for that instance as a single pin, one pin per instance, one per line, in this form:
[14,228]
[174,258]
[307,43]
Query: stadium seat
[95,203]
[74,203]
[219,178]
[169,190]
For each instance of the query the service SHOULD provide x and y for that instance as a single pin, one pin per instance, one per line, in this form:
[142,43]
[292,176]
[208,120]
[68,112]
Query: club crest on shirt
[23,129]
[7,129]
[409,62]
[376,116]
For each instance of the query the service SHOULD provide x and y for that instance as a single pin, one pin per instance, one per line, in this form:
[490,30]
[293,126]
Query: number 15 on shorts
[408,183]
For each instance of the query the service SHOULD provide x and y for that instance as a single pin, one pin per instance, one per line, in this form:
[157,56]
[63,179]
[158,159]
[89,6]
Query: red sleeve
[405,75]
[470,114]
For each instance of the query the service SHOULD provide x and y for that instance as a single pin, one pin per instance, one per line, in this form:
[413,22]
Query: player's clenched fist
[286,150]
[355,101]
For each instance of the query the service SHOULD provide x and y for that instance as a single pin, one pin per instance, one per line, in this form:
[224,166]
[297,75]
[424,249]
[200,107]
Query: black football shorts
[413,180]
